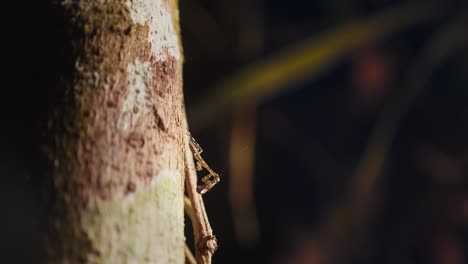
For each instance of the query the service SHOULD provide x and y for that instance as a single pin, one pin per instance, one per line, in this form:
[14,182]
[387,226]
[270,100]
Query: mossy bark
[116,149]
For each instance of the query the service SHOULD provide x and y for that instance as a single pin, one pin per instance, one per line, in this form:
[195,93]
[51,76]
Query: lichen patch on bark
[162,34]
[135,218]
[138,101]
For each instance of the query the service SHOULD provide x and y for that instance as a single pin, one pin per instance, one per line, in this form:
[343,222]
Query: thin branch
[189,258]
[205,241]
[189,209]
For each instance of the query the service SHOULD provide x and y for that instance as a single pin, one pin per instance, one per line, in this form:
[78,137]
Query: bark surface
[117,148]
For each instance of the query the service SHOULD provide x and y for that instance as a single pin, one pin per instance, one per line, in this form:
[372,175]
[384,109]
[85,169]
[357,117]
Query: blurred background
[339,128]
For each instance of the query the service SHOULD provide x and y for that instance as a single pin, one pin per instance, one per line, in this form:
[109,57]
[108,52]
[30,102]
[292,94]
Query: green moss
[142,230]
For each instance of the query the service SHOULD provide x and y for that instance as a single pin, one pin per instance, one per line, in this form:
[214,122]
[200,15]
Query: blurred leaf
[441,46]
[306,60]
[354,211]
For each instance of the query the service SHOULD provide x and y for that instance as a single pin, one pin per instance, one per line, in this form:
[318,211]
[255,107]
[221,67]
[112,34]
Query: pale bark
[117,148]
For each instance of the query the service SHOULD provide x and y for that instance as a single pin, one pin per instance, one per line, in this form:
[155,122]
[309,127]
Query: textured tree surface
[117,151]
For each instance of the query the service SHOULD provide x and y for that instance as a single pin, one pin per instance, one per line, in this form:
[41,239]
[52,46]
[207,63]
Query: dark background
[300,200]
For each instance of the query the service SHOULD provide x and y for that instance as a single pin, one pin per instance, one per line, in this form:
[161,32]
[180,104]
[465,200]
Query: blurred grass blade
[306,60]
[342,223]
[241,176]
[443,44]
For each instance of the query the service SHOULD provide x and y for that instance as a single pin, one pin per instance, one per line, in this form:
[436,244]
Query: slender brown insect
[210,180]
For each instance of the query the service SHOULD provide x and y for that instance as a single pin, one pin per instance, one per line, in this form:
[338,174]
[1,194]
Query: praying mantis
[210,180]
[205,242]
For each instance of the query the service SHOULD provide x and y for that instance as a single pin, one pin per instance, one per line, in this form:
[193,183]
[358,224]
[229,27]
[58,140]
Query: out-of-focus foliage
[336,122]
[308,59]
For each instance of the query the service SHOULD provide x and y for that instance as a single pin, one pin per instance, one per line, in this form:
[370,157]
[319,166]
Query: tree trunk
[117,141]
